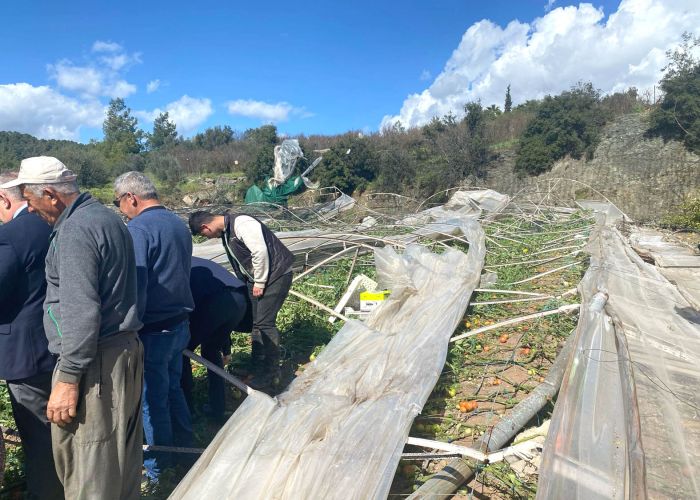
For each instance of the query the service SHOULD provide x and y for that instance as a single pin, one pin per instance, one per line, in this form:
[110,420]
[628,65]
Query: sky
[314,67]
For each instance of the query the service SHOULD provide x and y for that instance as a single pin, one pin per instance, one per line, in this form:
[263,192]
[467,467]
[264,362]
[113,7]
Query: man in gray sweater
[91,320]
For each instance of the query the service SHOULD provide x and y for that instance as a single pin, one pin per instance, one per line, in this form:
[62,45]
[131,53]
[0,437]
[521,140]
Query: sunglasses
[117,201]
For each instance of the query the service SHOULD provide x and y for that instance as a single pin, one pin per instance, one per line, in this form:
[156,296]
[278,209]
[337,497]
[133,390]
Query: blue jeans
[166,418]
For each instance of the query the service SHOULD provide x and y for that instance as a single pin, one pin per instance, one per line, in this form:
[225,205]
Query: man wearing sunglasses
[163,248]
[90,320]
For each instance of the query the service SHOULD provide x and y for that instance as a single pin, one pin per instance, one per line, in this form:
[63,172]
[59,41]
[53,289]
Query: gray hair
[14,193]
[135,183]
[64,188]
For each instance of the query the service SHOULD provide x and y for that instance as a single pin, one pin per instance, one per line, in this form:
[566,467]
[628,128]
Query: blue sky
[314,67]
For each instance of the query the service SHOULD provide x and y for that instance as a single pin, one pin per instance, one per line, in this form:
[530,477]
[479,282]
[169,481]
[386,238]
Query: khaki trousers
[99,454]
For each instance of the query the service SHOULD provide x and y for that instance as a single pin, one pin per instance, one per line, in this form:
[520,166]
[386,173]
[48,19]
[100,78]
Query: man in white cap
[90,320]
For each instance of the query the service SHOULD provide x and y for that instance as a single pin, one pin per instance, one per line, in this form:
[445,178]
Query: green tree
[214,137]
[164,132]
[508,105]
[121,133]
[678,115]
[567,124]
[260,144]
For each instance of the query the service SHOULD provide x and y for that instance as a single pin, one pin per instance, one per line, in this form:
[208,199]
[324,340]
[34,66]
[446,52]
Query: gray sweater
[91,284]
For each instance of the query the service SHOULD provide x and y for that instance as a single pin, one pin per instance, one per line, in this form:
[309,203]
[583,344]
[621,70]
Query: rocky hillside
[644,177]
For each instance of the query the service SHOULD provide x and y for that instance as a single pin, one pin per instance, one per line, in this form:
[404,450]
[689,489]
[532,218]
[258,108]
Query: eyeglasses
[117,201]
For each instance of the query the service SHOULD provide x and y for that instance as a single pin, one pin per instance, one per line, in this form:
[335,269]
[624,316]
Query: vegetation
[567,124]
[686,216]
[678,115]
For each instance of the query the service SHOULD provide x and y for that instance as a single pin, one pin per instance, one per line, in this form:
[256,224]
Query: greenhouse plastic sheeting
[338,431]
[626,421]
[286,156]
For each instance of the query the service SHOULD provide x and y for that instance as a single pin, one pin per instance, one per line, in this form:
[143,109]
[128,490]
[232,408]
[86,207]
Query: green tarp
[273,194]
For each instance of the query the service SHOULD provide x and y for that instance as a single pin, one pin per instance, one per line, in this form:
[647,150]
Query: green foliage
[349,165]
[165,167]
[678,116]
[213,137]
[686,216]
[260,144]
[567,124]
[508,104]
[122,136]
[164,133]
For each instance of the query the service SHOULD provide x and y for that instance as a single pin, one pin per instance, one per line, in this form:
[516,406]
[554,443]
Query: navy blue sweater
[163,249]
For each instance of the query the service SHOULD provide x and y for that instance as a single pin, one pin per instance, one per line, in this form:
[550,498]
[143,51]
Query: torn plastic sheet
[339,429]
[286,156]
[626,421]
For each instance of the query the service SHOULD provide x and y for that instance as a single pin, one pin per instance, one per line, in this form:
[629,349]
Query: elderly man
[91,320]
[163,249]
[261,259]
[25,361]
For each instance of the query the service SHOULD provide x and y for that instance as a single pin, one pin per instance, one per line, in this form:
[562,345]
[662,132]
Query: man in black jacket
[221,305]
[25,361]
[261,259]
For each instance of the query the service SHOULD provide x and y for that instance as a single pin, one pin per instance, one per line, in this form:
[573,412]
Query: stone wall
[646,178]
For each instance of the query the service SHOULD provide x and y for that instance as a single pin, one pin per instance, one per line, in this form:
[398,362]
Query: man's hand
[63,403]
[258,292]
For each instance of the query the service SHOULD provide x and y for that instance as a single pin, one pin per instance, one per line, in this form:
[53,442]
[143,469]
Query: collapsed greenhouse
[625,423]
[519,346]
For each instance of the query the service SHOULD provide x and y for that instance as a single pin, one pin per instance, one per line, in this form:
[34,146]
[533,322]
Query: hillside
[645,177]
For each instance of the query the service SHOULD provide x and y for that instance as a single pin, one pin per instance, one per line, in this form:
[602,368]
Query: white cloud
[84,80]
[187,113]
[553,53]
[100,76]
[102,46]
[266,112]
[152,86]
[425,75]
[45,113]
[550,4]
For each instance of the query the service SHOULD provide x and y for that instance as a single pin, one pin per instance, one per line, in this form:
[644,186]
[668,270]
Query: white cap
[41,170]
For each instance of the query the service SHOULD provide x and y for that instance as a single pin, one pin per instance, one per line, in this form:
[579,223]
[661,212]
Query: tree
[508,105]
[164,132]
[121,133]
[260,143]
[567,124]
[214,137]
[678,115]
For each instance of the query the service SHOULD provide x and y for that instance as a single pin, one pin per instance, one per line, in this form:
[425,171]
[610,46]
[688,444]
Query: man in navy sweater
[25,361]
[163,248]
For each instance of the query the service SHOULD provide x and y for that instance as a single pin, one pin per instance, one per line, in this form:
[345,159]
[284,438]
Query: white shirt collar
[19,211]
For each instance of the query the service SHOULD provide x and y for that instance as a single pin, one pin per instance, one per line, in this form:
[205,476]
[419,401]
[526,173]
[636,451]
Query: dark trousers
[211,325]
[29,397]
[265,311]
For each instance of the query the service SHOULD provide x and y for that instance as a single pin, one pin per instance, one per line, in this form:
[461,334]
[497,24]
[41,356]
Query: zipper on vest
[233,256]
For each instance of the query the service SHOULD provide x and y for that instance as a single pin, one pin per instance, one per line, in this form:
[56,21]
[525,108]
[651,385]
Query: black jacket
[281,259]
[23,345]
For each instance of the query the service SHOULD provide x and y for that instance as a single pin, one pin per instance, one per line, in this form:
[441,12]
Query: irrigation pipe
[458,471]
[219,371]
[563,309]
